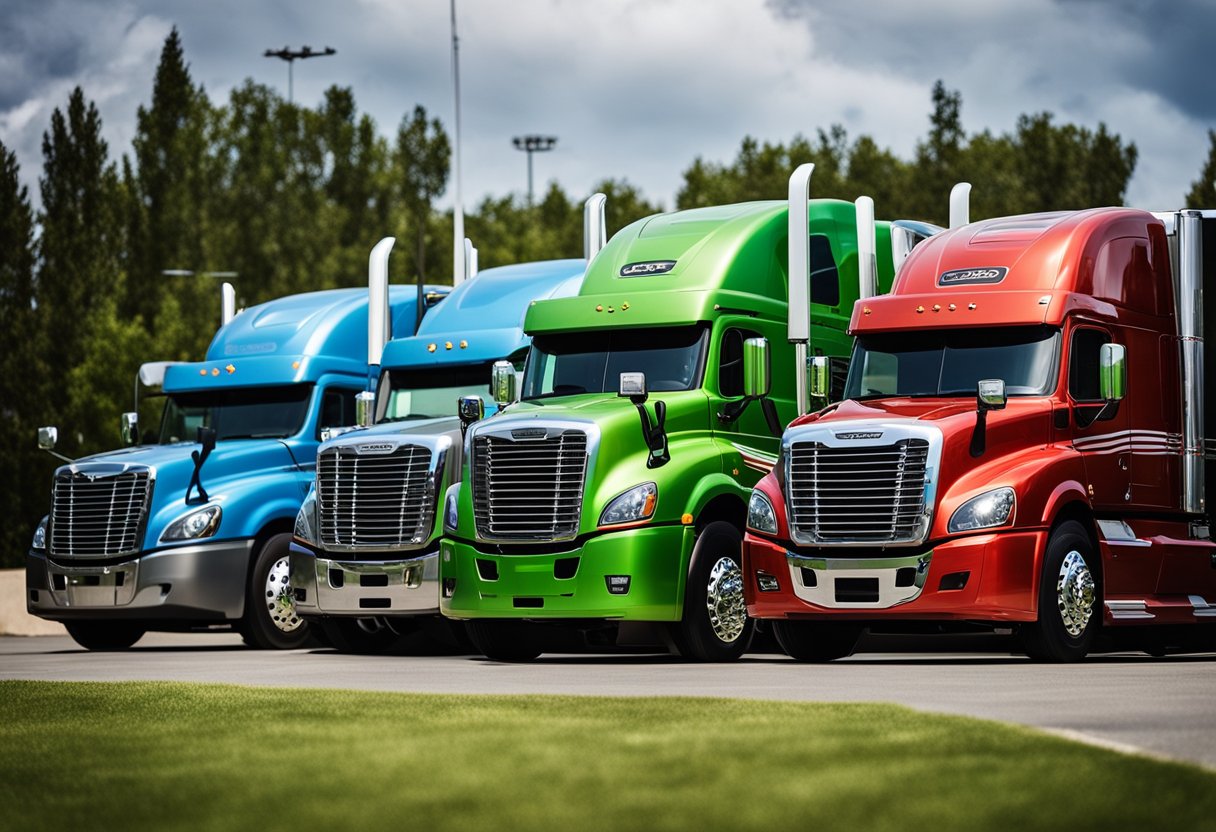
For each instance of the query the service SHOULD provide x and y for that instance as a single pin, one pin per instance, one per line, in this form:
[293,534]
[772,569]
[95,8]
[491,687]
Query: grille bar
[98,514]
[869,495]
[529,489]
[375,502]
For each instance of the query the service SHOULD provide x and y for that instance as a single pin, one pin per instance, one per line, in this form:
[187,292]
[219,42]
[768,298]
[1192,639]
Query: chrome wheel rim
[279,602]
[724,600]
[1075,593]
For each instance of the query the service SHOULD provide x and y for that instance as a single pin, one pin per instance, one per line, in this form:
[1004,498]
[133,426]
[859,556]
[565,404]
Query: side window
[825,279]
[1083,364]
[730,363]
[337,409]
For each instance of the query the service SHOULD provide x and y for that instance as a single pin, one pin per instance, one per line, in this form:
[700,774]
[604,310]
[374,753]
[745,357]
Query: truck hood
[385,430]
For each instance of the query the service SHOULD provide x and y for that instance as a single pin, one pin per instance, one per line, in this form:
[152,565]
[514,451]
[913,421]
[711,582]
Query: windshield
[951,362]
[433,392]
[241,413]
[592,362]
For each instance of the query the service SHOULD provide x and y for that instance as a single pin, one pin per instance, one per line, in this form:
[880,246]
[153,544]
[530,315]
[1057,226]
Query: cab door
[1099,430]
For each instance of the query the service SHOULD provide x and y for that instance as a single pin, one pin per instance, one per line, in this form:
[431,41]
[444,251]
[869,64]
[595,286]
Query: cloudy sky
[638,88]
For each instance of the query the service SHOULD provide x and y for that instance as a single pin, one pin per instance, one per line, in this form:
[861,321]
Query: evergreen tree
[1203,189]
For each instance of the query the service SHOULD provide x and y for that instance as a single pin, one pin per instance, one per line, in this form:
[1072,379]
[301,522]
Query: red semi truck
[1021,445]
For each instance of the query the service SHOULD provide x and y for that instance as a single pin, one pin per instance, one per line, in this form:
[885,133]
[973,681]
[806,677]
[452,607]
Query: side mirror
[990,394]
[470,409]
[504,383]
[48,437]
[821,377]
[757,368]
[365,408]
[633,387]
[129,429]
[1112,371]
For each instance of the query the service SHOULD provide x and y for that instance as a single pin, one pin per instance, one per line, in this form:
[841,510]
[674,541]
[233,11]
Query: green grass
[200,757]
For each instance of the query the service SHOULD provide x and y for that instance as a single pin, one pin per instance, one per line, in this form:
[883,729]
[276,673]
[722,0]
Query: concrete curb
[14,620]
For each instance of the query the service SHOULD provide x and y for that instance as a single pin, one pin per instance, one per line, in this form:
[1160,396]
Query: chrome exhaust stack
[227,303]
[1189,293]
[470,260]
[379,325]
[799,323]
[867,248]
[595,227]
[960,204]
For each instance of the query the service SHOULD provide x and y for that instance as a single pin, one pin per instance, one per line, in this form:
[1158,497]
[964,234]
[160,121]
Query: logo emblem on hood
[644,269]
[860,434]
[375,448]
[970,277]
[528,433]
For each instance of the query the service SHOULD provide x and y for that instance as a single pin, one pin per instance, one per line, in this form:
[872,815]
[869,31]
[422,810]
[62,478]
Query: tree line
[292,198]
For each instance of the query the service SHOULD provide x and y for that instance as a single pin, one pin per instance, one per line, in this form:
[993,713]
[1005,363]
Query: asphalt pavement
[1159,706]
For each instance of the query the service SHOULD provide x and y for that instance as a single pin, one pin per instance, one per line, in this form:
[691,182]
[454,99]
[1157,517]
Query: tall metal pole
[291,56]
[530,145]
[458,269]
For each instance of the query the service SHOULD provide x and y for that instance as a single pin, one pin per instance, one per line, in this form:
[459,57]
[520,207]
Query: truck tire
[504,641]
[104,635]
[714,626]
[817,641]
[1070,609]
[270,621]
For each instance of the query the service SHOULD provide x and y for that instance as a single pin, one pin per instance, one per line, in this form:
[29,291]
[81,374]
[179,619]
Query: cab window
[337,409]
[1083,364]
[730,362]
[825,278]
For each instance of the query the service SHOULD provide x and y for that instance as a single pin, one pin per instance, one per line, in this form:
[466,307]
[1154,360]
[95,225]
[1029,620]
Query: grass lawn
[200,757]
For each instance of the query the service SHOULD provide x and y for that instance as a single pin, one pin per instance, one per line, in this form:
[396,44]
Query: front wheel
[104,635]
[814,641]
[1069,609]
[714,626]
[504,641]
[270,620]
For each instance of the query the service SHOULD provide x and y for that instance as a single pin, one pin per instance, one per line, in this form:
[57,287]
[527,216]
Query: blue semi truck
[188,528]
[364,562]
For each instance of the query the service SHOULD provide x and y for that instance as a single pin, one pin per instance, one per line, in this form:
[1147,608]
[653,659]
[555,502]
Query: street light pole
[458,265]
[533,144]
[291,56]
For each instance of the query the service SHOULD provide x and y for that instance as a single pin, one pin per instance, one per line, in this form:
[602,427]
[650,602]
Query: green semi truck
[614,488]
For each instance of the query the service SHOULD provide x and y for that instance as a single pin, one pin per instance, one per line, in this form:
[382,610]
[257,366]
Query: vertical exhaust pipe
[595,228]
[799,323]
[867,247]
[470,260]
[960,204]
[379,327]
[227,303]
[1190,335]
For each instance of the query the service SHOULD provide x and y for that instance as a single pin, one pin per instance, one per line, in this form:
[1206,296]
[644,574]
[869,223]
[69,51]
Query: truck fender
[1066,492]
[724,499]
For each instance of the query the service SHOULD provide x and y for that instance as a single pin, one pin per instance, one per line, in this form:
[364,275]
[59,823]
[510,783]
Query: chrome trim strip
[1129,610]
[827,570]
[1201,607]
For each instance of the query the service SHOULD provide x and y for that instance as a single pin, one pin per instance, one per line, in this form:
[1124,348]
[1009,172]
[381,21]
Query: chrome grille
[868,495]
[375,501]
[530,488]
[98,514]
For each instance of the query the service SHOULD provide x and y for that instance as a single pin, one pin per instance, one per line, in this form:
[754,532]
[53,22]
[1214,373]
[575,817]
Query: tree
[1203,189]
[23,373]
[420,175]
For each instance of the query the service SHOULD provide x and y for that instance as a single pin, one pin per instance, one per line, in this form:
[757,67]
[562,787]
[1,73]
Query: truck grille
[375,501]
[529,489]
[98,515]
[866,495]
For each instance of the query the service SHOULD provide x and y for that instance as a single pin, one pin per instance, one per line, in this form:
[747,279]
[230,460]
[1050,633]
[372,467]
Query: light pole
[530,145]
[291,56]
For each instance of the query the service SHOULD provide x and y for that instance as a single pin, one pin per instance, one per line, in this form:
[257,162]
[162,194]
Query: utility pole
[530,145]
[291,56]
[458,268]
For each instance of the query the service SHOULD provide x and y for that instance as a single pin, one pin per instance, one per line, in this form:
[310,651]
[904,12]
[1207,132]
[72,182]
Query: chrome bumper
[858,583]
[322,586]
[202,582]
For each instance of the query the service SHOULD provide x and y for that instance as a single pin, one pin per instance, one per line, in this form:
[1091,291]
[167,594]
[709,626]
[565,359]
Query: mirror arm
[58,455]
[979,436]
[732,410]
[654,435]
[770,415]
[206,438]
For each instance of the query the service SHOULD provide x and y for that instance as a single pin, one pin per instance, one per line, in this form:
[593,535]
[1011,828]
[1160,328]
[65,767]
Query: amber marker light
[215,371]
[464,345]
[295,365]
[430,347]
[230,369]
[447,345]
[686,519]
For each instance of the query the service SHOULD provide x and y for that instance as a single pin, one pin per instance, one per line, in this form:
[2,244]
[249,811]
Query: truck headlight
[635,504]
[451,515]
[992,508]
[202,523]
[760,514]
[306,518]
[39,542]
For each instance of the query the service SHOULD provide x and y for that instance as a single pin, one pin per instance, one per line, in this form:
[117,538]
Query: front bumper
[1000,581]
[324,586]
[198,582]
[526,586]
